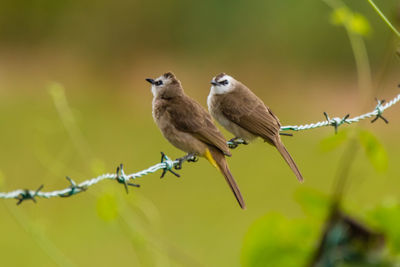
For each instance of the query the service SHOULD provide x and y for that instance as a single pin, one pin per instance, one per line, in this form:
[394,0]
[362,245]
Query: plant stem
[384,18]
[362,64]
[360,55]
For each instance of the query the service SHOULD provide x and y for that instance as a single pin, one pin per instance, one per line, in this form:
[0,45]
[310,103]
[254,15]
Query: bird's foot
[235,142]
[193,158]
[190,157]
[285,134]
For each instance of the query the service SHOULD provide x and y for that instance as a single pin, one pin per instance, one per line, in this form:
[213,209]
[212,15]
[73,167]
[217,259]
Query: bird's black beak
[150,80]
[214,82]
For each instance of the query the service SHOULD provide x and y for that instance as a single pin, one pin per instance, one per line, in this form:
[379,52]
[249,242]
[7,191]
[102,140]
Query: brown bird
[245,115]
[189,127]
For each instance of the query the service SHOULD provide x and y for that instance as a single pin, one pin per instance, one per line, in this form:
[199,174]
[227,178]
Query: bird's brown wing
[252,115]
[249,112]
[192,118]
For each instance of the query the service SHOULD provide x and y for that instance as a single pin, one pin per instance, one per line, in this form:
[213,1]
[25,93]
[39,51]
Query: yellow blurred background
[73,101]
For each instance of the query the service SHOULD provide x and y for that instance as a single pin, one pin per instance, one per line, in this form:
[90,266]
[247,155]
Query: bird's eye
[224,82]
[159,82]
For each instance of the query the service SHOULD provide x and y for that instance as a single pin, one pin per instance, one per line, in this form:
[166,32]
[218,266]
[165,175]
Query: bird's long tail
[217,159]
[285,154]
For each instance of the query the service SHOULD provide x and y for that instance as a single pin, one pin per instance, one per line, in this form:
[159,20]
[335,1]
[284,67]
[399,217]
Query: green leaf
[107,207]
[334,141]
[386,217]
[313,202]
[274,240]
[374,151]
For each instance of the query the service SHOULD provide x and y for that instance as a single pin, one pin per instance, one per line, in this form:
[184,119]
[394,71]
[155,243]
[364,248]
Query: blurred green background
[73,101]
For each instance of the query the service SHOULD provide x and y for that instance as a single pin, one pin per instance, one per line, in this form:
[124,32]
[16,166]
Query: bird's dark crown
[219,76]
[169,75]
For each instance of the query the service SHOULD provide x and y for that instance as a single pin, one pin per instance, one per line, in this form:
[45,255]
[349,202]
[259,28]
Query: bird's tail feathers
[285,154]
[217,159]
[211,159]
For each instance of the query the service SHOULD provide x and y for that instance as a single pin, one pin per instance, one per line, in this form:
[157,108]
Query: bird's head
[166,84]
[222,83]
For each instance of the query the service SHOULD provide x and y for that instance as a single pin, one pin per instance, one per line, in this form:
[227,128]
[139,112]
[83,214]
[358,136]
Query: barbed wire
[336,121]
[167,164]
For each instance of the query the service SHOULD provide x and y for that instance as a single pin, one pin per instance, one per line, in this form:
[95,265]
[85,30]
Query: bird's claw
[179,165]
[193,158]
[233,145]
[189,158]
[235,142]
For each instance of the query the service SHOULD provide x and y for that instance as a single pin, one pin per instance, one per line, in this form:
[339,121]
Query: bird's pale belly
[184,141]
[233,127]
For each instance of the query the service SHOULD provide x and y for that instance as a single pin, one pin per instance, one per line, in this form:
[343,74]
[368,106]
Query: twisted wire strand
[339,121]
[22,194]
[167,164]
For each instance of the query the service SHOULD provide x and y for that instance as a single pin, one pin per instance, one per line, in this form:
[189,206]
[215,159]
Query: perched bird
[189,127]
[242,113]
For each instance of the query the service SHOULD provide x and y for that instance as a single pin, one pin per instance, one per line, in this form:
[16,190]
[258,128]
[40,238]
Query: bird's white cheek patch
[221,89]
[209,99]
[154,90]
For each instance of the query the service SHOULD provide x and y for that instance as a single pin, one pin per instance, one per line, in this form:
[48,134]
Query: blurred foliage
[97,166]
[120,30]
[355,22]
[107,207]
[57,92]
[1,179]
[374,150]
[332,142]
[36,229]
[275,240]
[386,217]
[314,203]
[346,240]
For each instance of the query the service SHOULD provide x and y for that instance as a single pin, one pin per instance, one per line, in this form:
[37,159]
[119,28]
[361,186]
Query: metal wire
[336,122]
[167,164]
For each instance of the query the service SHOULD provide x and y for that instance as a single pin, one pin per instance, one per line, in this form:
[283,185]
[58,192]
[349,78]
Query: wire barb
[123,179]
[336,122]
[379,110]
[74,188]
[167,164]
[27,194]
